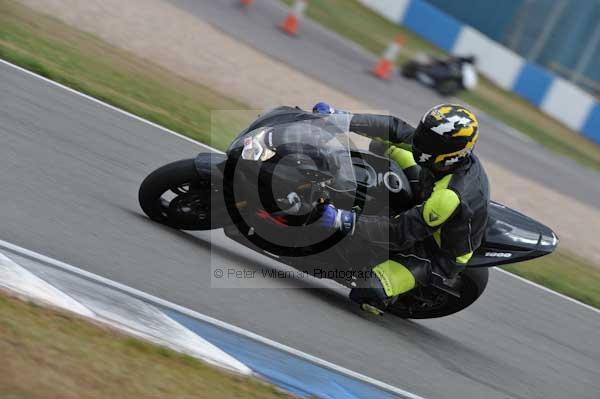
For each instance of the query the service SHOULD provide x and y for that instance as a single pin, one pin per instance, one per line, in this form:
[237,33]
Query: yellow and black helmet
[445,136]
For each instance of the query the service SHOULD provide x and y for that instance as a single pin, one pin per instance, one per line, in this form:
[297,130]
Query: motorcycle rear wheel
[430,302]
[448,87]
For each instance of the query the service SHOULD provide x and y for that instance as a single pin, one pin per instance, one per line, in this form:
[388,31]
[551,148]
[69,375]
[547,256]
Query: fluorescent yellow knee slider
[395,278]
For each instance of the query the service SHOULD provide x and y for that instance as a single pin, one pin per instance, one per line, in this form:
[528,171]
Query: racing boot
[370,296]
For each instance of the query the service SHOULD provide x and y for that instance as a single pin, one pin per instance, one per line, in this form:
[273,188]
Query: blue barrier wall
[591,127]
[432,24]
[492,18]
[533,83]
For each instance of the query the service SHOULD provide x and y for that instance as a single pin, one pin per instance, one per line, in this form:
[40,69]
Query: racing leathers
[438,235]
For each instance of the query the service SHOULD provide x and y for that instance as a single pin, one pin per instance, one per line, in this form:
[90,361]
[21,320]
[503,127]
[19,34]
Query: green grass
[565,273]
[83,62]
[371,31]
[87,64]
[50,354]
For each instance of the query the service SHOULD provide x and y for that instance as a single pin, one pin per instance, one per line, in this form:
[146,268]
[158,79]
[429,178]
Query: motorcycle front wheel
[409,70]
[177,196]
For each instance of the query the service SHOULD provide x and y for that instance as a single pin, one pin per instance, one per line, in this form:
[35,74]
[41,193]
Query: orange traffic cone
[385,67]
[290,23]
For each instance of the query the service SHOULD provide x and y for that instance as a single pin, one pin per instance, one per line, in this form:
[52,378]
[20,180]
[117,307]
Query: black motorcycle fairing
[512,237]
[383,186]
[210,164]
[274,117]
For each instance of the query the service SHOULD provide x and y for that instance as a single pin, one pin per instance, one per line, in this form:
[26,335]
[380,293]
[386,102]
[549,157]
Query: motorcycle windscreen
[319,146]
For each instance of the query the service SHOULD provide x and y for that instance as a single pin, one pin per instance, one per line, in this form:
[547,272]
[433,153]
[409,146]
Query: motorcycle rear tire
[473,283]
[448,87]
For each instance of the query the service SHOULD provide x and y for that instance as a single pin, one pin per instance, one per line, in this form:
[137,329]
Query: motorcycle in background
[447,76]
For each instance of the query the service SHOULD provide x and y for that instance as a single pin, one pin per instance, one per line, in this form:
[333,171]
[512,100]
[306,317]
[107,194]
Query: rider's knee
[389,280]
[395,278]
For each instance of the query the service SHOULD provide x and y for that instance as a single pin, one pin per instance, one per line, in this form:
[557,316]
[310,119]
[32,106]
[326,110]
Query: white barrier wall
[496,62]
[568,103]
[391,9]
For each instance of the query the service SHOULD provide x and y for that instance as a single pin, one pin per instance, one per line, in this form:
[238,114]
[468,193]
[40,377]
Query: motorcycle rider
[436,238]
[456,62]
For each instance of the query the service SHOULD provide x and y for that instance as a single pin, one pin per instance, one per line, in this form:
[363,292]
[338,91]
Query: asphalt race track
[326,57]
[70,174]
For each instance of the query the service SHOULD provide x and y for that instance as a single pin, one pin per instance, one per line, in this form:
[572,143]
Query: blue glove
[323,108]
[338,219]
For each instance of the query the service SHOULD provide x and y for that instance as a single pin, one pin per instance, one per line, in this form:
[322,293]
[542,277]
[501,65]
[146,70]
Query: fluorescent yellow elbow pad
[440,206]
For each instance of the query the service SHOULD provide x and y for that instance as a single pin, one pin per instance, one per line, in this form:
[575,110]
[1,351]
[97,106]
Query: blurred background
[560,35]
[530,70]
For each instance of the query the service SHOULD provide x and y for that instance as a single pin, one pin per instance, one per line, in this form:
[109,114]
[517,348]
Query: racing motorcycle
[264,191]
[447,76]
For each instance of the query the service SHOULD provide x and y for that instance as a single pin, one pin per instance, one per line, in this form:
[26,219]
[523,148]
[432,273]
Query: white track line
[221,152]
[95,100]
[166,304]
[541,287]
